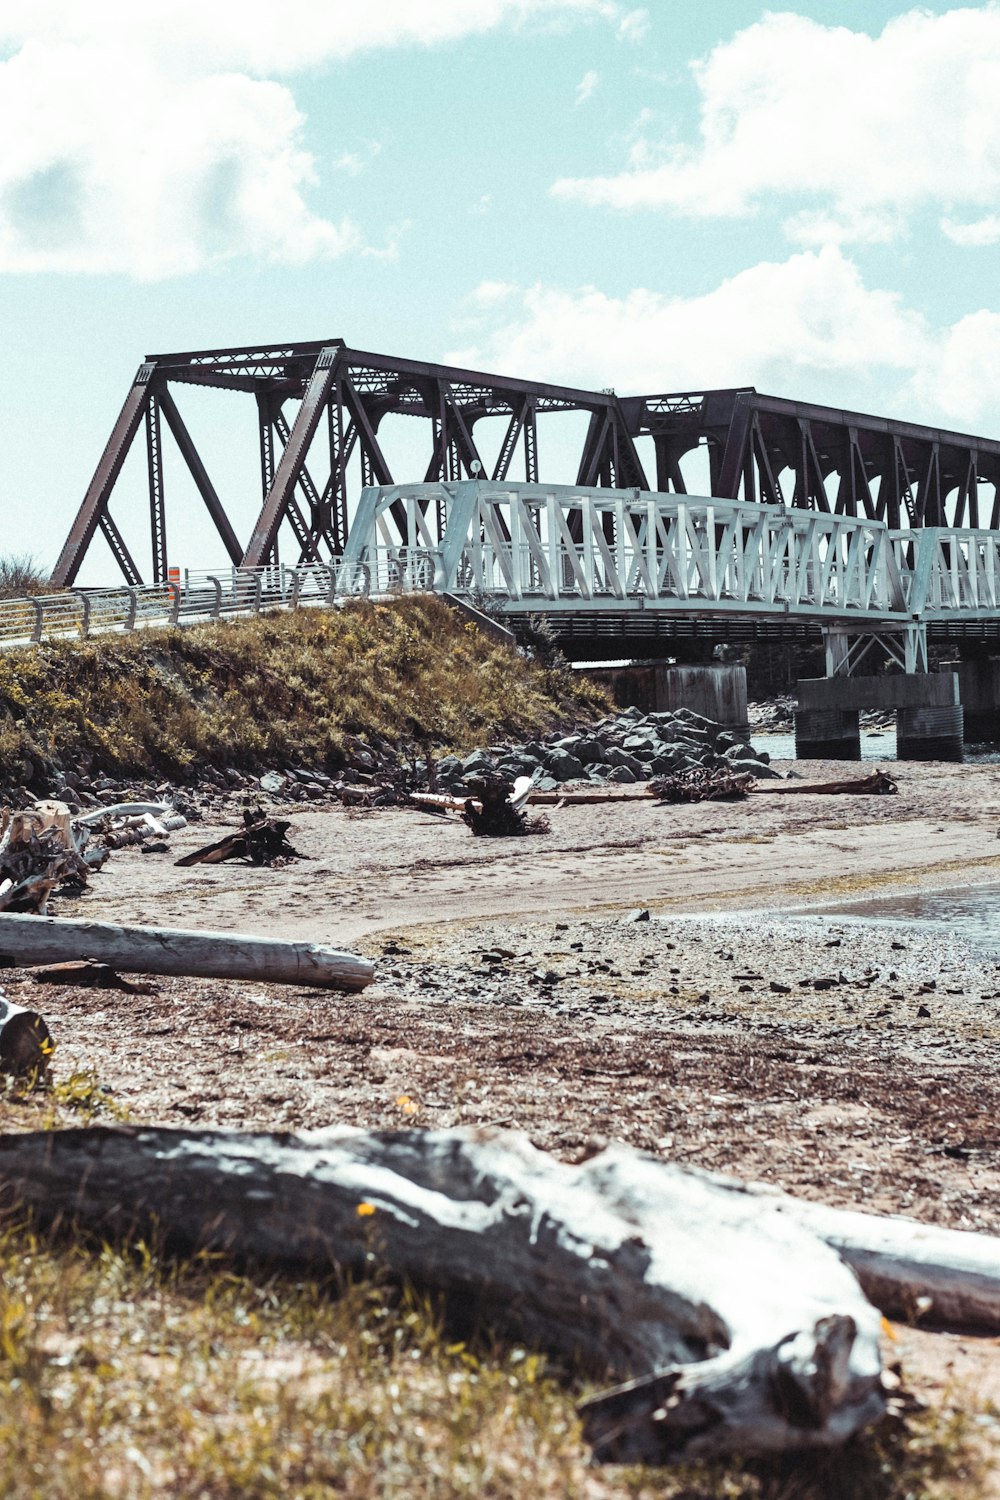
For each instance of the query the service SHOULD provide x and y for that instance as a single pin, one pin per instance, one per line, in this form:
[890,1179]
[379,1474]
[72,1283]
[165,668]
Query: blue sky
[654,197]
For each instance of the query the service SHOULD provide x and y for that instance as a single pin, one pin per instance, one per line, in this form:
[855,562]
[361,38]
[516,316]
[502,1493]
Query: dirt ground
[737,1028]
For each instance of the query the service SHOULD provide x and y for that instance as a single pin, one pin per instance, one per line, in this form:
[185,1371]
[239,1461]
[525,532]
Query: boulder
[563,766]
[621,775]
[621,758]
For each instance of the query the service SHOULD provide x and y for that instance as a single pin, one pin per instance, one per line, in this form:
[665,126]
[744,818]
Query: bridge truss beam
[760,449]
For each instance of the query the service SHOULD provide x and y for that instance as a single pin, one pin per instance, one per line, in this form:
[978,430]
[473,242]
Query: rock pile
[630,747]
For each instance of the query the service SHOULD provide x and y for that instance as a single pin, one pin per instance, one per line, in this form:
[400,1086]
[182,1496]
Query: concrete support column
[717,692]
[928,714]
[827,734]
[979,690]
[930,733]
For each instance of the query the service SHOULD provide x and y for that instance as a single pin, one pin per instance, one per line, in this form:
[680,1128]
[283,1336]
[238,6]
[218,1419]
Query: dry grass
[21,575]
[278,689]
[126,1376]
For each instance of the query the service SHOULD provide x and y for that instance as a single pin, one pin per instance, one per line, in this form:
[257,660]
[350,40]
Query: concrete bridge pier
[979,687]
[929,720]
[827,733]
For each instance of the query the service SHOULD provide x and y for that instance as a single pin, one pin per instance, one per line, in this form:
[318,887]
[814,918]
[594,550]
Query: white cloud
[963,379]
[585,88]
[866,130]
[985,231]
[778,326]
[634,26]
[356,162]
[155,140]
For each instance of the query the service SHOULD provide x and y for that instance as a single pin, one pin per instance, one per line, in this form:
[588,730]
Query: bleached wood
[948,1275]
[623,1262]
[27,940]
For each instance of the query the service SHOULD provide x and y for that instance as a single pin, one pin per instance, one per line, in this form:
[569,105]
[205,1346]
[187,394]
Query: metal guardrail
[203,595]
[535,548]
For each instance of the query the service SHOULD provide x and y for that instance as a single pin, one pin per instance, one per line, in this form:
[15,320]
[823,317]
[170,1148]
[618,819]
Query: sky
[656,197]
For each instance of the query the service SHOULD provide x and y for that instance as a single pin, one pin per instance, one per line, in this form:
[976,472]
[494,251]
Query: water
[970,914]
[876,744]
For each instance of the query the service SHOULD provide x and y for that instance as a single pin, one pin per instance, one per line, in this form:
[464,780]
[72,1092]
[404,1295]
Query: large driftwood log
[29,940]
[759,1333]
[947,1275]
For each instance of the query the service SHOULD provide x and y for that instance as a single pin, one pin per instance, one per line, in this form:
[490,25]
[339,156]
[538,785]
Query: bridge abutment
[717,692]
[929,718]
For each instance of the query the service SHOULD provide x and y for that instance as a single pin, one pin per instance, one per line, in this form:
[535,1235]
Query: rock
[563,766]
[739,752]
[590,751]
[622,759]
[621,775]
[478,761]
[638,914]
[272,782]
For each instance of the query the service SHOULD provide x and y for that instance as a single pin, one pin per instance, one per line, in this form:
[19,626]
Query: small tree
[21,575]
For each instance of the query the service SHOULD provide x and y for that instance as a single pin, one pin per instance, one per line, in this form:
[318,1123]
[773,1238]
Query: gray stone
[621,775]
[641,746]
[759,769]
[621,758]
[590,751]
[479,760]
[272,782]
[740,752]
[563,766]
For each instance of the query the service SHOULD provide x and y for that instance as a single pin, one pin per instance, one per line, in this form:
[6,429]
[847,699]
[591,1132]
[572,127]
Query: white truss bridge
[568,551]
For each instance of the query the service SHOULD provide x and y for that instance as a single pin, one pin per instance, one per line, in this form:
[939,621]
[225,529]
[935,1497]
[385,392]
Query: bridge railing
[200,595]
[950,570]
[560,547]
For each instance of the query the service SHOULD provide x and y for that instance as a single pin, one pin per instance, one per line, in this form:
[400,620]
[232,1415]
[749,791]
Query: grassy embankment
[280,689]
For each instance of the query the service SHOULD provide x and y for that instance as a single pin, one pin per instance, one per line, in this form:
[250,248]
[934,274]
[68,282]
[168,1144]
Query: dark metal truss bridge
[319,407]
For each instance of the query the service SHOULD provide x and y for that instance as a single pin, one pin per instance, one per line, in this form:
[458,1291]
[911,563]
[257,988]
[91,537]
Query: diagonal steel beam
[157,505]
[316,501]
[95,501]
[276,503]
[122,555]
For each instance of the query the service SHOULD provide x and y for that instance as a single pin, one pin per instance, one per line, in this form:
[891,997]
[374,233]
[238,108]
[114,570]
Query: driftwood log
[945,1276]
[262,841]
[703,784]
[878,784]
[25,1043]
[28,940]
[747,1332]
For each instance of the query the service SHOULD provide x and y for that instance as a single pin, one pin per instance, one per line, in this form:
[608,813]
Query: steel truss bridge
[319,410]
